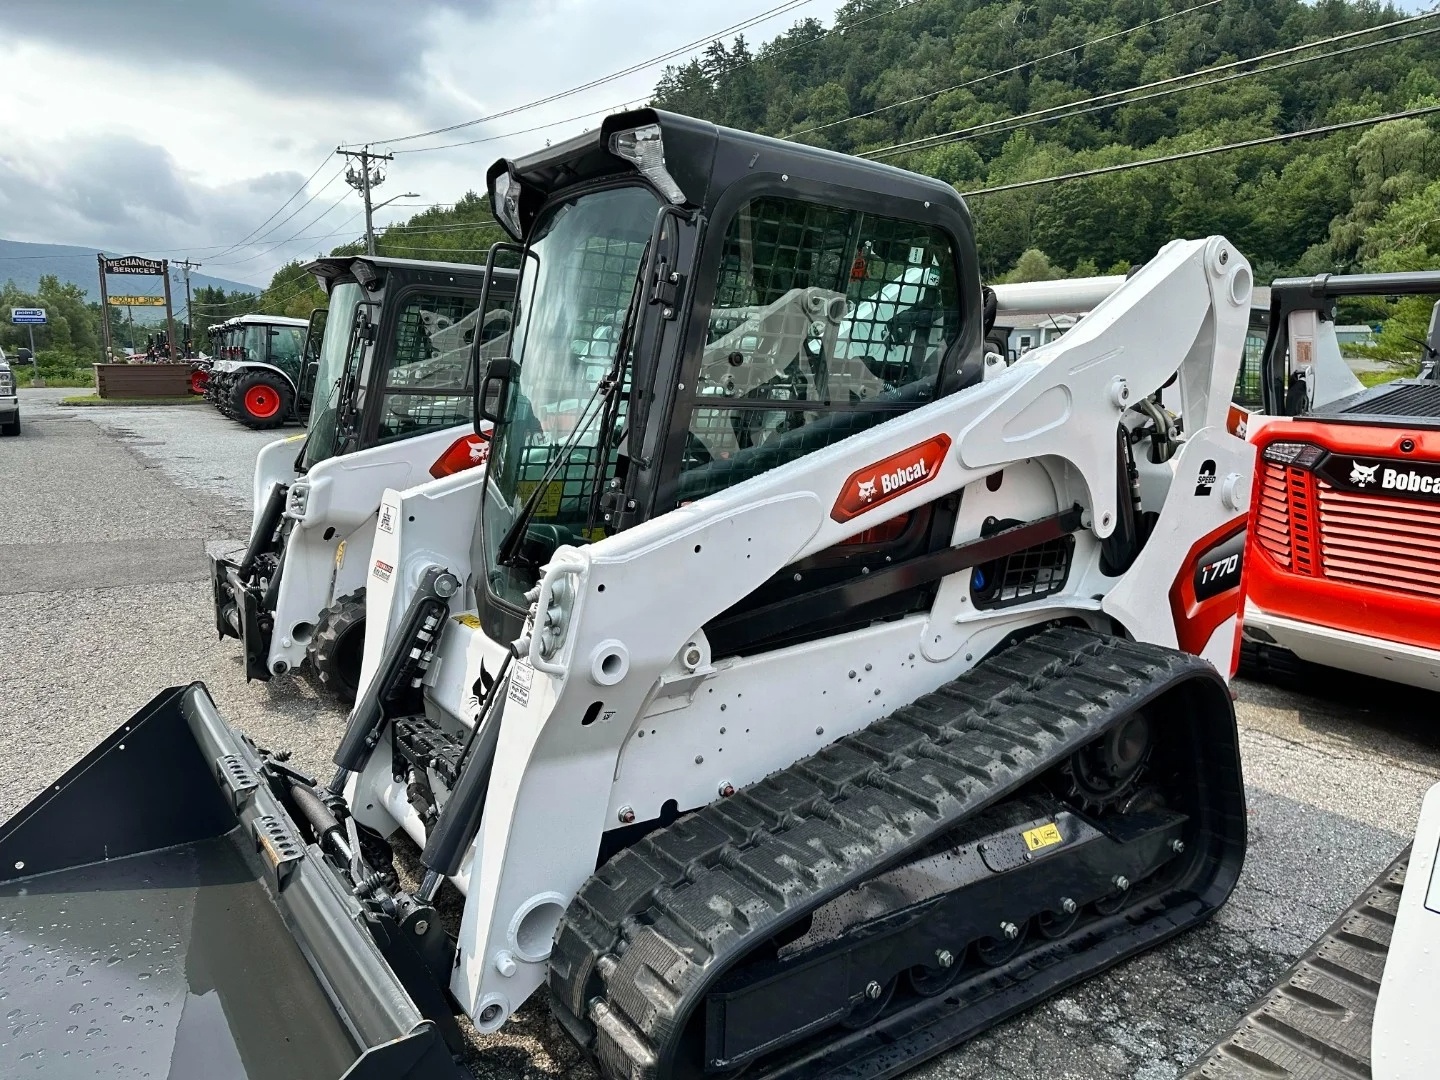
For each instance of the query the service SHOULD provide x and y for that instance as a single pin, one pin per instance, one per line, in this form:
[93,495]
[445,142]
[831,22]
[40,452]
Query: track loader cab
[389,363]
[786,697]
[1347,500]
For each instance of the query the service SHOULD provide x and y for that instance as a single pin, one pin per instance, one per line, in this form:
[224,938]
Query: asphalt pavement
[106,516]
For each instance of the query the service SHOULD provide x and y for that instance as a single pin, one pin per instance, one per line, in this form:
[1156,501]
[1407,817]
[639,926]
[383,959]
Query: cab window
[427,376]
[825,321]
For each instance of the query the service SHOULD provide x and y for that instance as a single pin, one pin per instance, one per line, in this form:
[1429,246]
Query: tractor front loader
[393,405]
[799,703]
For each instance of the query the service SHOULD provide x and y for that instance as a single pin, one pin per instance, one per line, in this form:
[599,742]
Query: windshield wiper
[510,542]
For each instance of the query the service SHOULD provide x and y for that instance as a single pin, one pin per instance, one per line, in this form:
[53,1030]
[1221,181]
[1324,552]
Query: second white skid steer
[786,700]
[393,404]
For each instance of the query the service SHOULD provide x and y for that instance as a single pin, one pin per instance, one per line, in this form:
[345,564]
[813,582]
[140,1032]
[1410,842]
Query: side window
[825,322]
[427,372]
[286,343]
[1247,382]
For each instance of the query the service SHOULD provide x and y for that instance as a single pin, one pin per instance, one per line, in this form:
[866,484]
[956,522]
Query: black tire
[338,647]
[12,428]
[261,400]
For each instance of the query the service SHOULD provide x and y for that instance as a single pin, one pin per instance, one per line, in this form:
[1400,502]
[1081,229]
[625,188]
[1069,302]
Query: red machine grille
[1376,541]
[1285,523]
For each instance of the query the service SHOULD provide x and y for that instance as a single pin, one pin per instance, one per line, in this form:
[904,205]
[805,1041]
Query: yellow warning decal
[549,504]
[340,555]
[469,619]
[1042,836]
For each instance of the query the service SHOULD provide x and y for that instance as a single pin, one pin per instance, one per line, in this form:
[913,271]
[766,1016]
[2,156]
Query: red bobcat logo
[879,483]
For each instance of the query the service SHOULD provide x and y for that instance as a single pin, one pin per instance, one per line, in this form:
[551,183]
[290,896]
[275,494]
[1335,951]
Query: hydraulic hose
[407,654]
[265,529]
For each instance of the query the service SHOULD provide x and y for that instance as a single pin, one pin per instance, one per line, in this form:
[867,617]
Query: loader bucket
[161,916]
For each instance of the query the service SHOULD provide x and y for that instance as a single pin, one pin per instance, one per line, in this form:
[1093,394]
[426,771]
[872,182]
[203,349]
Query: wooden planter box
[142,380]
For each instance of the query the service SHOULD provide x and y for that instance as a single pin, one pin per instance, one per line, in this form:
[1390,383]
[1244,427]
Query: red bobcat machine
[1345,521]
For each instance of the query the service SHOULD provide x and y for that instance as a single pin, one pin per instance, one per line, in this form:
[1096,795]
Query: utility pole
[364,180]
[187,266]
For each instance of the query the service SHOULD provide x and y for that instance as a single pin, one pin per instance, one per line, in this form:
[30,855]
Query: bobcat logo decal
[867,489]
[1362,475]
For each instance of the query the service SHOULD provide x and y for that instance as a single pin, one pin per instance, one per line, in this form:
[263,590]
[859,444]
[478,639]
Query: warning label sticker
[387,519]
[548,505]
[382,570]
[522,676]
[1042,836]
[468,618]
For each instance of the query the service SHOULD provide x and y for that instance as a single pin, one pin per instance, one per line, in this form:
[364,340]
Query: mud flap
[160,912]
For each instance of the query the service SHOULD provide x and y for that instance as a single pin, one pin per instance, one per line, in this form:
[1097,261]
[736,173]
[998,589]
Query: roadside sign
[33,316]
[118,300]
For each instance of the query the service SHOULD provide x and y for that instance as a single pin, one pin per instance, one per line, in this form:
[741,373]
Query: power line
[1006,71]
[637,102]
[943,138]
[964,136]
[769,13]
[298,191]
[1287,136]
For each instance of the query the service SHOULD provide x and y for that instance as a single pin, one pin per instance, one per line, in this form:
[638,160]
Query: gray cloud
[321,48]
[122,194]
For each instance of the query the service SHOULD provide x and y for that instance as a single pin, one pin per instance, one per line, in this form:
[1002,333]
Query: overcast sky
[166,124]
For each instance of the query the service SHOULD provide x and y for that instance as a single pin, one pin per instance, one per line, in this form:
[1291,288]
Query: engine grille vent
[1379,542]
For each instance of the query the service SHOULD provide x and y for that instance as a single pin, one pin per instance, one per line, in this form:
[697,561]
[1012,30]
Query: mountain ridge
[26,263]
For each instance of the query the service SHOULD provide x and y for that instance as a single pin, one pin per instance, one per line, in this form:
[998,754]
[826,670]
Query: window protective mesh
[825,322]
[427,380]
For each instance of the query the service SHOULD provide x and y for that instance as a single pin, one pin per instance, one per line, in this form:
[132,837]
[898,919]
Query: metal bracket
[274,840]
[236,778]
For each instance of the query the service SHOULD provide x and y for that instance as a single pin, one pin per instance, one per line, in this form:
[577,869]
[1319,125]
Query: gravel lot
[104,599]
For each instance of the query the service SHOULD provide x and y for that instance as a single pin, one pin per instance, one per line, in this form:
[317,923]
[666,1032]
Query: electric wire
[1005,71]
[745,24]
[1185,155]
[942,138]
[962,137]
[298,192]
[634,103]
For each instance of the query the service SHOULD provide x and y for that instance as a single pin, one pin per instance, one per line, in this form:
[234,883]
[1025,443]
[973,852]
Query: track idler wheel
[995,951]
[1102,773]
[868,1010]
[936,978]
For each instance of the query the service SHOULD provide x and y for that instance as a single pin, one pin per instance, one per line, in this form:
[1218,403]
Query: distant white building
[1026,332]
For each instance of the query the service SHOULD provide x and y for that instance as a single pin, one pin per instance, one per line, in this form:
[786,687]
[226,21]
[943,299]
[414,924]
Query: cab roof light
[506,203]
[644,147]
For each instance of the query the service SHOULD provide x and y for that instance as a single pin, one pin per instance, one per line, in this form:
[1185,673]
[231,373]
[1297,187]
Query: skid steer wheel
[261,400]
[338,646]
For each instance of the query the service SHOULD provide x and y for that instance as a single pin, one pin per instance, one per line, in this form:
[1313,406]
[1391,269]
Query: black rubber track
[1315,1024]
[656,926]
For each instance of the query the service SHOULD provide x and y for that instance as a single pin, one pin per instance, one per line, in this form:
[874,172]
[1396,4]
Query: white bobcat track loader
[822,744]
[393,405]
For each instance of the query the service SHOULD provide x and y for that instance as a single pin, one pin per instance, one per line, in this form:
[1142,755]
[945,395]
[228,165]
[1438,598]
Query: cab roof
[705,160]
[332,270]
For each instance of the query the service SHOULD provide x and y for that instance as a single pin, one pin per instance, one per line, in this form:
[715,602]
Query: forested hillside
[1010,91]
[984,93]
